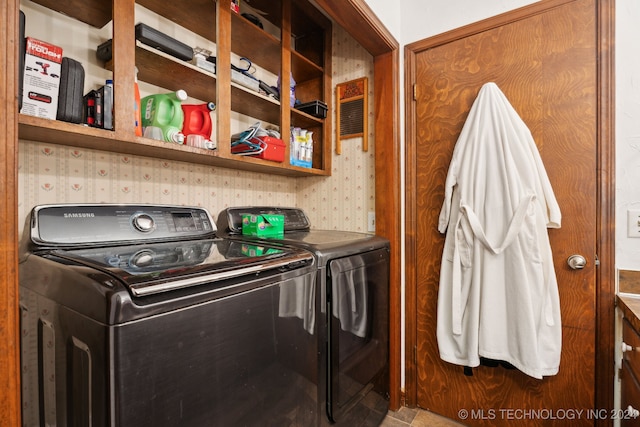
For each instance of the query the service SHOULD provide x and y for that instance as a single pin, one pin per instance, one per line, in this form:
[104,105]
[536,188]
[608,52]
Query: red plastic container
[273,151]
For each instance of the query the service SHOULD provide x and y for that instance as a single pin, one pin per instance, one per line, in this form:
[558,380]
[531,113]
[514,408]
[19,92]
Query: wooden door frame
[9,317]
[360,21]
[605,227]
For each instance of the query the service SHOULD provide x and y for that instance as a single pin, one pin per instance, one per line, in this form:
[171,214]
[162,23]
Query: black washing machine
[350,303]
[136,315]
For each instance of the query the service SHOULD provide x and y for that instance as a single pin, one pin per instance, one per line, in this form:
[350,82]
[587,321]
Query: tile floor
[406,417]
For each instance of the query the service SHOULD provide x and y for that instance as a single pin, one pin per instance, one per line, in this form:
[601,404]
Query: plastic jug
[162,116]
[197,124]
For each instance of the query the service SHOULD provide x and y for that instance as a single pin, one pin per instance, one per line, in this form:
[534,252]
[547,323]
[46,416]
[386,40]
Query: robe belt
[514,229]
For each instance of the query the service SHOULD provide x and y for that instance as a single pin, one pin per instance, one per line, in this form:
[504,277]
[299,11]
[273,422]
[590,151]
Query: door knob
[577,262]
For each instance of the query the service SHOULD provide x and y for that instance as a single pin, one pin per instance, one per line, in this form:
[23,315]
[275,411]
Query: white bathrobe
[498,295]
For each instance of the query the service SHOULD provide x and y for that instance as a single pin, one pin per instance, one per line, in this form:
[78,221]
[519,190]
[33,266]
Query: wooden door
[545,63]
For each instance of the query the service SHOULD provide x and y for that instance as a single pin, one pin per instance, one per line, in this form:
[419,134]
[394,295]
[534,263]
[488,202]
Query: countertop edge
[630,306]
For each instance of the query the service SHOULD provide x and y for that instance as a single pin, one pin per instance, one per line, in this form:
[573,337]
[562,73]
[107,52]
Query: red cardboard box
[41,79]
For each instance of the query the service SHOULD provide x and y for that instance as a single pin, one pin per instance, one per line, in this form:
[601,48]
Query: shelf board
[255,44]
[303,68]
[250,103]
[198,16]
[303,120]
[96,13]
[161,69]
[75,135]
[267,10]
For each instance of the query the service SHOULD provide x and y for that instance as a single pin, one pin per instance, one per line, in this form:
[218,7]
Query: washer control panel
[143,222]
[62,225]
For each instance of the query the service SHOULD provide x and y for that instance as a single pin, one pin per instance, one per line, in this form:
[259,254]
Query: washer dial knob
[143,223]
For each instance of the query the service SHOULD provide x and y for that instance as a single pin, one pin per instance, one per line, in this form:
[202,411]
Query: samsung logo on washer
[80,215]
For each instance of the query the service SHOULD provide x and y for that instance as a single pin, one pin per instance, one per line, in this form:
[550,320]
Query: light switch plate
[633,223]
[371,222]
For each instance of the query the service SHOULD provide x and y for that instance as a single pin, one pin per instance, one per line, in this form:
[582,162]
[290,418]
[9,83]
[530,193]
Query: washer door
[358,335]
[236,361]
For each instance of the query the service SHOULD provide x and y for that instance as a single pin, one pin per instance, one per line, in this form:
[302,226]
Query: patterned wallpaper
[50,173]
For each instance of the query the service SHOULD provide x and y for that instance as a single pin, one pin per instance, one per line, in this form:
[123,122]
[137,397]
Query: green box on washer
[265,225]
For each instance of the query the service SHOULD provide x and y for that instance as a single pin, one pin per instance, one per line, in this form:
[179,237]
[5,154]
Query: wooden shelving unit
[304,49]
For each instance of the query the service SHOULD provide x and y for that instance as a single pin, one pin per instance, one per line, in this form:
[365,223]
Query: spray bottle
[197,125]
[162,116]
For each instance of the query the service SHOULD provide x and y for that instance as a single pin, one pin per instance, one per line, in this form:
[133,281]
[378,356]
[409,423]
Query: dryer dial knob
[144,223]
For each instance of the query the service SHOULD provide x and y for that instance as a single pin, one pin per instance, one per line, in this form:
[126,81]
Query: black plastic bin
[315,108]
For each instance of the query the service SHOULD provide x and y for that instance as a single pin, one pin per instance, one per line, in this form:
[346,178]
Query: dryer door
[358,333]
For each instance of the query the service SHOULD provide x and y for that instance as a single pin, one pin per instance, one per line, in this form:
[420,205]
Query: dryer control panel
[230,219]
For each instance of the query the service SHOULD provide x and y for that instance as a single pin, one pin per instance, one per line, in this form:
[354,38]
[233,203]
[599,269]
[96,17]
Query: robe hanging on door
[498,295]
